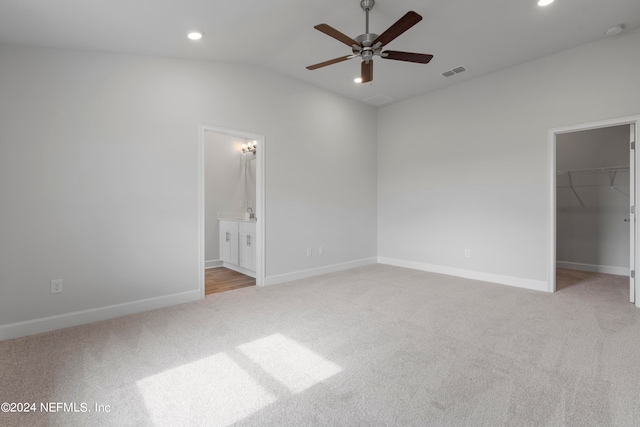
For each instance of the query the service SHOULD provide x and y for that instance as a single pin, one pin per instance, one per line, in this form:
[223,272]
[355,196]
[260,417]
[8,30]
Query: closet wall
[593,200]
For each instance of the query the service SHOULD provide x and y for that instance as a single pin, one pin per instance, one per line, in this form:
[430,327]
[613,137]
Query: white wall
[229,186]
[99,178]
[591,233]
[467,167]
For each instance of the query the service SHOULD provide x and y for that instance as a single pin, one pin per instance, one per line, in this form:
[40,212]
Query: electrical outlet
[56,286]
[309,252]
[467,253]
[242,203]
[321,250]
[249,204]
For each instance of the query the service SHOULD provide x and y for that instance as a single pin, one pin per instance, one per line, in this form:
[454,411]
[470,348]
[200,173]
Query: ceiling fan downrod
[365,49]
[367,5]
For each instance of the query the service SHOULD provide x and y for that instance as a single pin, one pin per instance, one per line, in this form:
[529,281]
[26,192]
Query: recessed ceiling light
[544,2]
[357,80]
[195,35]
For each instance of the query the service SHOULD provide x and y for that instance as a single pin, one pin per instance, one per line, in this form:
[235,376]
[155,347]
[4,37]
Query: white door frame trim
[260,202]
[552,186]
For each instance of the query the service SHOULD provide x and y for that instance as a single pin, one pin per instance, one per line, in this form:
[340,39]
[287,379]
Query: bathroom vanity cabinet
[237,245]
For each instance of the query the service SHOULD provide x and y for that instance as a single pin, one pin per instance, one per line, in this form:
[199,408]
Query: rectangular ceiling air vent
[455,71]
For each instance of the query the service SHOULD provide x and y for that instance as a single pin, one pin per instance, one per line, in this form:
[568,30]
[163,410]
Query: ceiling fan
[368,45]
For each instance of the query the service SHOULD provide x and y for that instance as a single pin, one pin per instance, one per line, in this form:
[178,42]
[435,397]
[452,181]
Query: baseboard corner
[303,274]
[594,268]
[519,282]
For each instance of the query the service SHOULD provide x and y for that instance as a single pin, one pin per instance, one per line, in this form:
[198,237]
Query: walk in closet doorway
[593,204]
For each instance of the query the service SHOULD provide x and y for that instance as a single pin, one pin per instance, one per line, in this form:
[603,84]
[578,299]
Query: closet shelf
[567,175]
[594,170]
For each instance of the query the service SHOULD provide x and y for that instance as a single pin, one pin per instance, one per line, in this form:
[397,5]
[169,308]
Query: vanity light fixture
[545,2]
[357,80]
[195,35]
[249,148]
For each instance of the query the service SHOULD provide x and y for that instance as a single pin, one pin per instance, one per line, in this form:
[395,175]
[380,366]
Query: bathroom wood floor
[222,279]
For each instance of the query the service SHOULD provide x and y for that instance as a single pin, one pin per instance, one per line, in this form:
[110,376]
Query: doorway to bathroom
[232,220]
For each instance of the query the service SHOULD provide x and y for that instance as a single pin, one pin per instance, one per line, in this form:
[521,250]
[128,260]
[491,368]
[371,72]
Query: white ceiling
[278,35]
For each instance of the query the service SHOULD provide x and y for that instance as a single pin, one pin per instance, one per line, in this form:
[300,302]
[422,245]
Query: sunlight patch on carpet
[213,388]
[290,363]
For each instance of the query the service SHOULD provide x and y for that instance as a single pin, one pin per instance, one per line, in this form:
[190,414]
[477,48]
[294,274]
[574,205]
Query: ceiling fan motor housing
[366,40]
[366,50]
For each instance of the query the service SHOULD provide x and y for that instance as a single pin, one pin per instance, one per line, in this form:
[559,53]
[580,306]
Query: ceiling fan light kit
[368,45]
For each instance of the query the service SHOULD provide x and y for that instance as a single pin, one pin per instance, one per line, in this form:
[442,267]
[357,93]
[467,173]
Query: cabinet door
[248,250]
[229,246]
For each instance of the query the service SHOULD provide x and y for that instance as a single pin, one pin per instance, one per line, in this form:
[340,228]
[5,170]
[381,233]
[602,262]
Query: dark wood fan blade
[367,71]
[329,62]
[403,24]
[421,58]
[332,32]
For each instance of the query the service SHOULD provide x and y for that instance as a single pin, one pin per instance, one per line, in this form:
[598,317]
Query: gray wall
[467,167]
[590,232]
[99,176]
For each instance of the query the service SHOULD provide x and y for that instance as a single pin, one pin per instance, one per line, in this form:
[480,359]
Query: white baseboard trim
[303,274]
[239,269]
[46,324]
[536,285]
[214,263]
[606,269]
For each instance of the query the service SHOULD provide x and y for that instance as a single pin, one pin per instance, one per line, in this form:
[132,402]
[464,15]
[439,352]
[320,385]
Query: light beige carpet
[374,346]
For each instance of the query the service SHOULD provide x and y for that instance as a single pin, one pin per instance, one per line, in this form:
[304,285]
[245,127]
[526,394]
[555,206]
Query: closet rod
[595,170]
[612,171]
